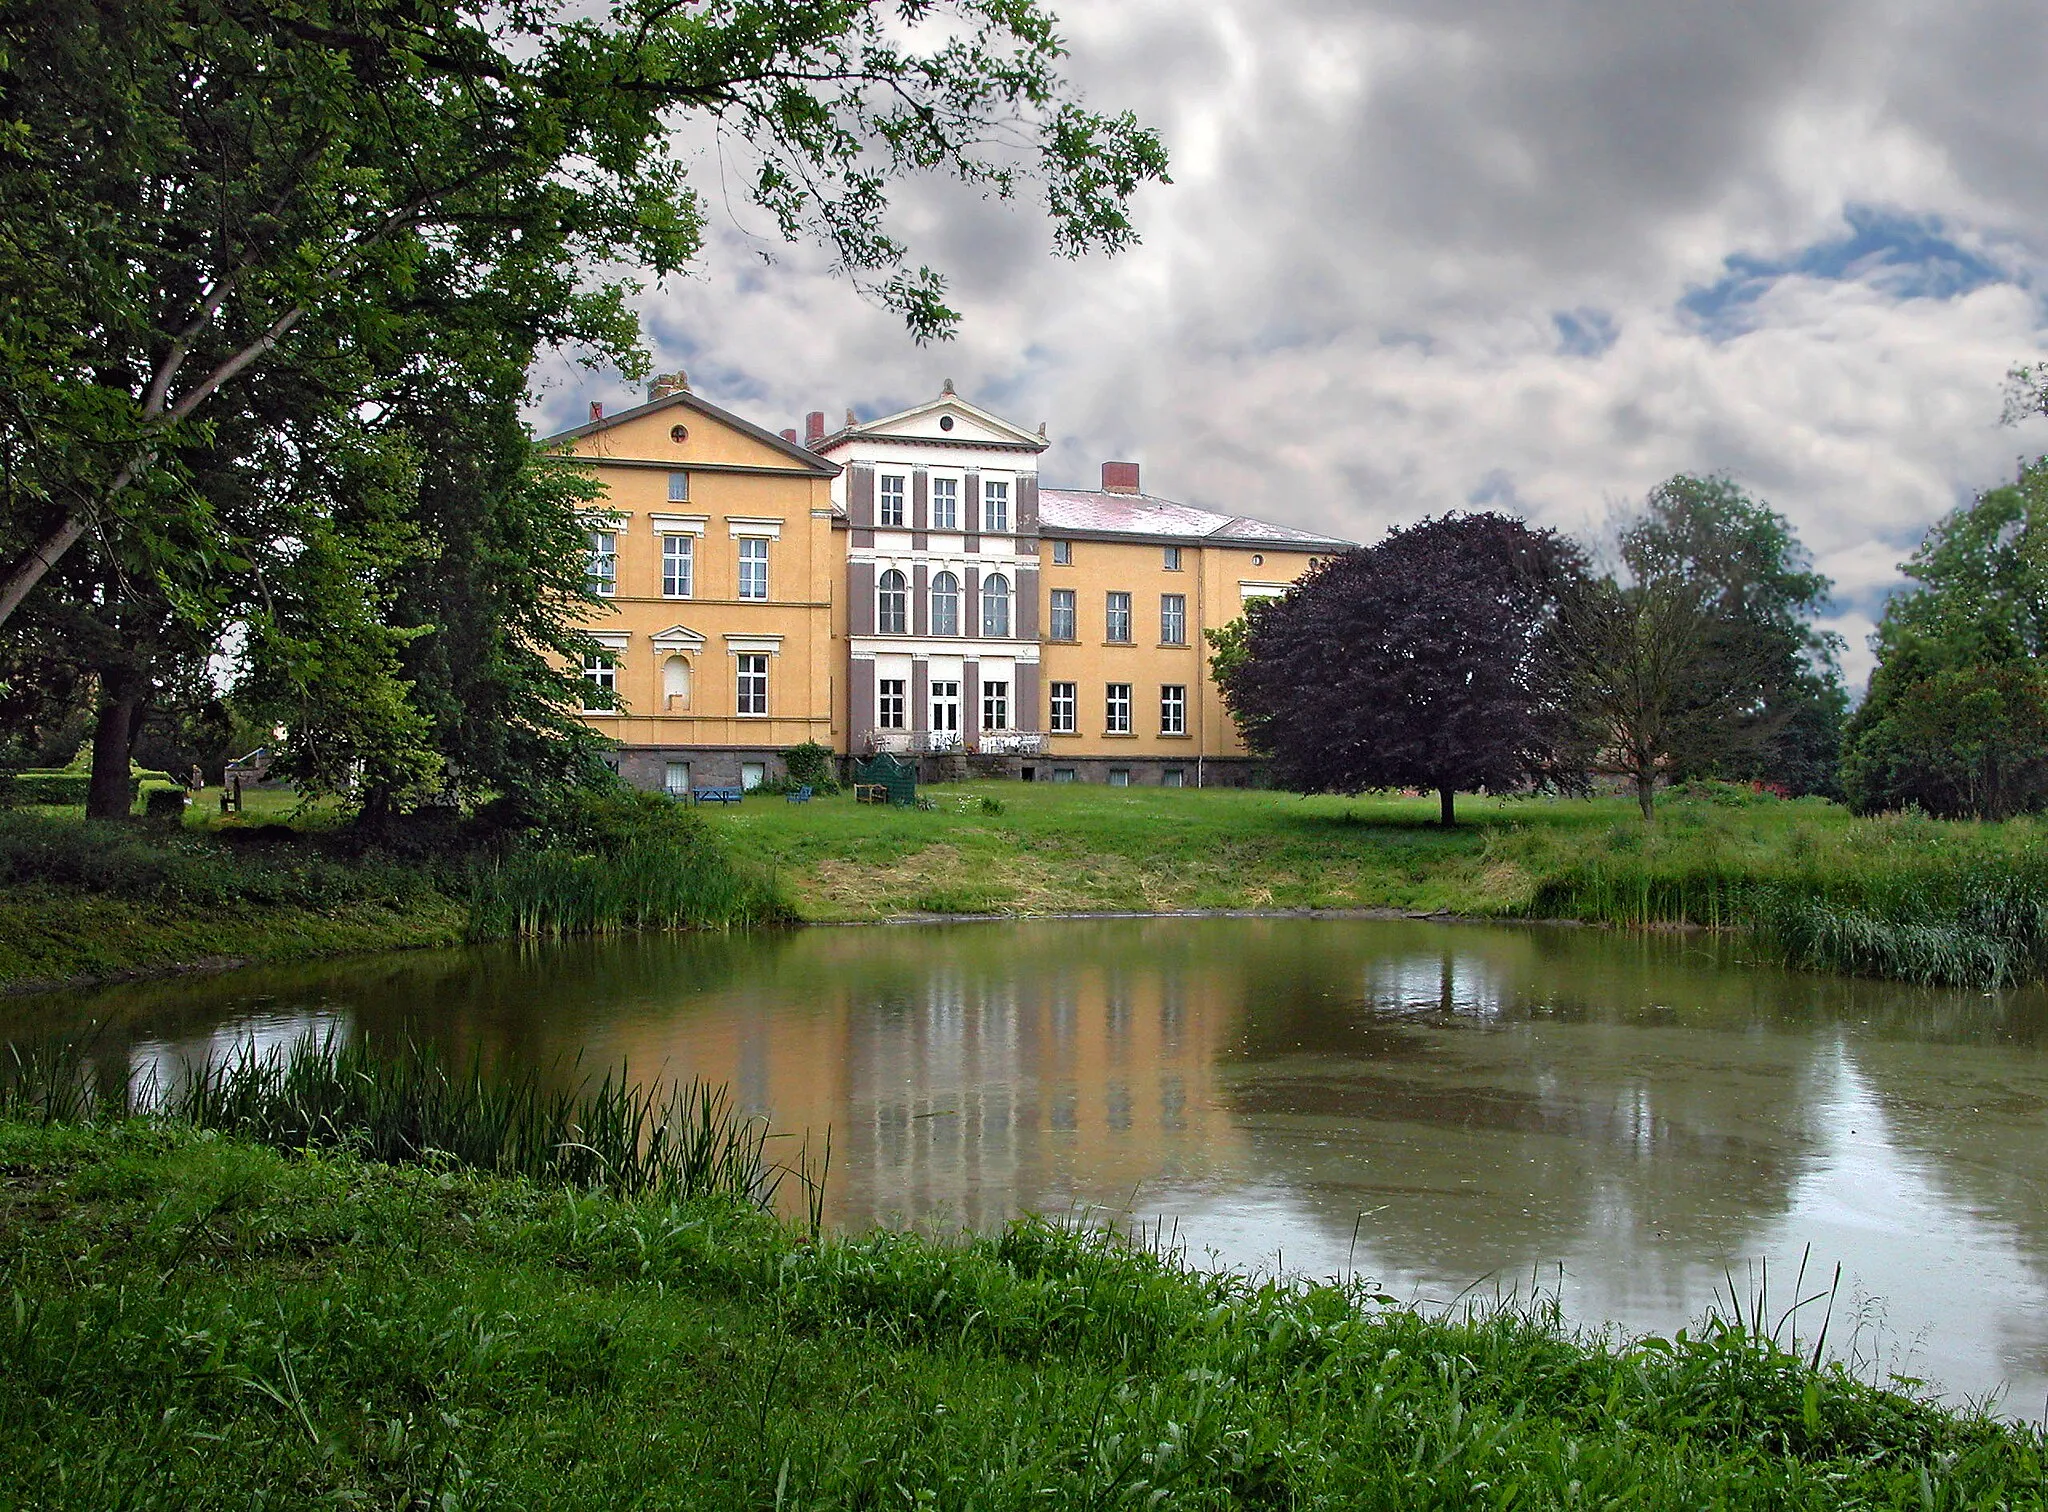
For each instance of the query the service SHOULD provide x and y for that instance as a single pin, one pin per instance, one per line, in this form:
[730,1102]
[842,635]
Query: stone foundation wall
[710,766]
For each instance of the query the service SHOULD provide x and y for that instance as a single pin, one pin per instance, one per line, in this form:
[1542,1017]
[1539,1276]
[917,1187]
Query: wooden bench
[870,792]
[801,795]
[718,794]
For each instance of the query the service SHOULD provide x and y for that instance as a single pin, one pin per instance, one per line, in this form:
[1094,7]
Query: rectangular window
[1116,617]
[1063,628]
[945,708]
[891,704]
[1173,559]
[601,577]
[1119,776]
[1173,709]
[995,508]
[601,674]
[995,706]
[753,686]
[752,775]
[945,503]
[679,488]
[1173,618]
[1066,708]
[1173,777]
[892,501]
[1063,774]
[754,568]
[1063,553]
[675,780]
[678,566]
[1116,709]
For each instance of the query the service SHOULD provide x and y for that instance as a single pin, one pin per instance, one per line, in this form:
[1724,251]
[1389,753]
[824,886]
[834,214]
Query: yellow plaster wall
[1209,579]
[804,566]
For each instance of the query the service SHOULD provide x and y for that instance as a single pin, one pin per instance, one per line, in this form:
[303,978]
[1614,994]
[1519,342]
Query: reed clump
[674,1141]
[1903,896]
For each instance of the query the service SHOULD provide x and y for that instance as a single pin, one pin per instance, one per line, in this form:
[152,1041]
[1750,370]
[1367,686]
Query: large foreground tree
[1427,661]
[194,189]
[240,240]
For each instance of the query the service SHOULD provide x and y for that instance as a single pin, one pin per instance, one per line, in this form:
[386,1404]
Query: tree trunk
[28,572]
[112,739]
[1446,801]
[1646,795]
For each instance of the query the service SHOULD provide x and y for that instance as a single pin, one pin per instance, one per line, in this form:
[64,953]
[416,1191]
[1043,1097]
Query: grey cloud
[1419,254]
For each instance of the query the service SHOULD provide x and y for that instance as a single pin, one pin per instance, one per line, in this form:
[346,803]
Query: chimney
[790,435]
[814,427]
[1120,477]
[665,384]
[596,411]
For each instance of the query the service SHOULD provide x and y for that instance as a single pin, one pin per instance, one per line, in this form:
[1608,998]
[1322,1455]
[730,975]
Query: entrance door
[945,713]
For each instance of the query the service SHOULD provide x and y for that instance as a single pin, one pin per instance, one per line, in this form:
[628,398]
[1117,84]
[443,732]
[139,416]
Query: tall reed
[647,884]
[666,1140]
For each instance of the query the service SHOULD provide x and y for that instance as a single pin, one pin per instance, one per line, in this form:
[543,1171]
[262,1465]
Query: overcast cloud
[1525,254]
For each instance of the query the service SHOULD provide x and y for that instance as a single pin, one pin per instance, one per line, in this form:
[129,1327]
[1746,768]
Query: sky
[1529,255]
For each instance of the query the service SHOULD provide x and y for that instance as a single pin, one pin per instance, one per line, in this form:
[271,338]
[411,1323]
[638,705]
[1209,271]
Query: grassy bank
[198,1320]
[82,900]
[1903,897]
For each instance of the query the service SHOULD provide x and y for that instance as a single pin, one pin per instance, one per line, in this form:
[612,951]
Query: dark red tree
[1426,661]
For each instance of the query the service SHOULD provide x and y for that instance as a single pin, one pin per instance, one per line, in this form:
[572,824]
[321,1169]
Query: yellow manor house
[904,584]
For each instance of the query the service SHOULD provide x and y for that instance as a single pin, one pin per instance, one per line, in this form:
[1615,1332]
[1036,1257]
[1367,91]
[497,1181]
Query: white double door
[945,708]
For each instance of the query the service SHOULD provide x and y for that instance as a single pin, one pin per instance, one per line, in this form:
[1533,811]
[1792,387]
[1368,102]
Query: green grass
[198,1321]
[1907,897]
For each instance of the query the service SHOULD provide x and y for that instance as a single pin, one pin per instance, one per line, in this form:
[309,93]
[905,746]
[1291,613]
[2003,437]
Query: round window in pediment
[679,434]
[945,422]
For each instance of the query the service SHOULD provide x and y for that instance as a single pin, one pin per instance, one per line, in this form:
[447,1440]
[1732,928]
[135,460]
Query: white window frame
[1173,709]
[945,604]
[1173,559]
[1119,776]
[753,553]
[995,607]
[1173,619]
[1066,708]
[1116,708]
[995,705]
[601,670]
[943,701]
[898,517]
[601,574]
[679,488]
[896,598]
[995,506]
[892,704]
[1064,599]
[1116,614]
[750,684]
[677,548]
[946,491]
[1063,553]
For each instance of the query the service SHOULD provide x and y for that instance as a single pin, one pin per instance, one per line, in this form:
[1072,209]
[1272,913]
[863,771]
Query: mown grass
[196,1320]
[1904,897]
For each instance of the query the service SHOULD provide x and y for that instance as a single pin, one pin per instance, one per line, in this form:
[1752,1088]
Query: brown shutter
[860,686]
[1027,717]
[860,600]
[1025,610]
[970,693]
[920,600]
[970,510]
[1027,503]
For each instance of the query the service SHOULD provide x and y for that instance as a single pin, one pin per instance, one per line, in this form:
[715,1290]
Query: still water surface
[1629,1121]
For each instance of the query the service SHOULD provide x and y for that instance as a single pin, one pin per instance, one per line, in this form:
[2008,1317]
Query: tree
[1956,719]
[198,189]
[1631,656]
[235,228]
[1426,661]
[1761,699]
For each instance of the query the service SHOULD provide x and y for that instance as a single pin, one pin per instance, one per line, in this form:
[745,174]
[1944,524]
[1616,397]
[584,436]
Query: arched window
[945,604]
[893,599]
[675,683]
[995,605]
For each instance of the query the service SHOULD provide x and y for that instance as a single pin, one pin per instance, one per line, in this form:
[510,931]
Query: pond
[1633,1123]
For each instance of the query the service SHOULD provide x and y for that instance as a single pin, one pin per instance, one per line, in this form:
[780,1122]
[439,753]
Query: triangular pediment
[678,638]
[682,429]
[947,420]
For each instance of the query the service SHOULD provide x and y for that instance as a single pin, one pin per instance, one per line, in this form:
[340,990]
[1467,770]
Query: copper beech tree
[1428,661]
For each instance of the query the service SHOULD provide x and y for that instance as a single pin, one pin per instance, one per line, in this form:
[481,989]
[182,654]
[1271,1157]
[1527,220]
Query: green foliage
[64,788]
[812,765]
[252,1323]
[1956,720]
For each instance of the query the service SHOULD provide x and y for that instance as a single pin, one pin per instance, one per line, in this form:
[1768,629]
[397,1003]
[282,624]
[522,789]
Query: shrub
[811,765]
[164,805]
